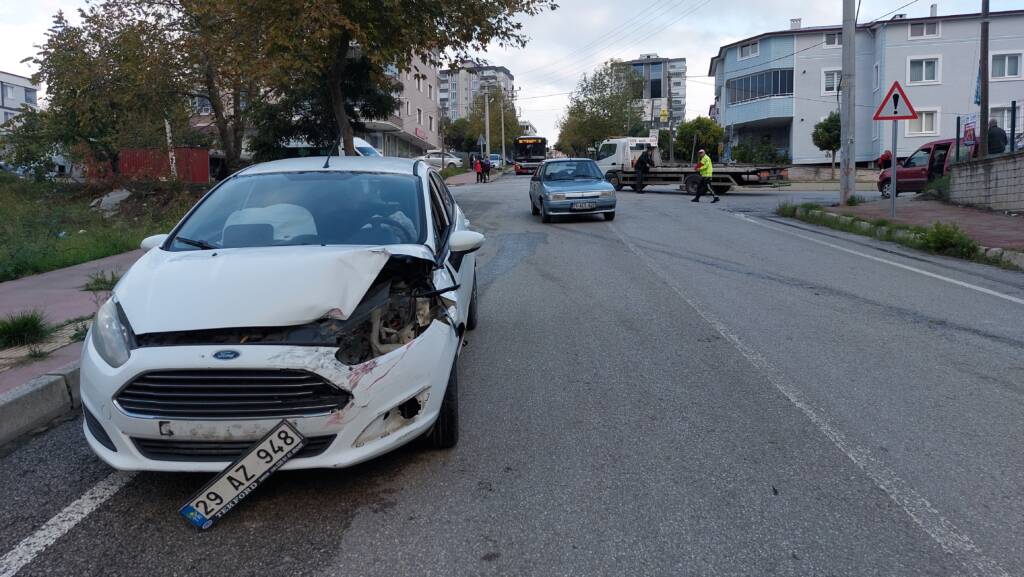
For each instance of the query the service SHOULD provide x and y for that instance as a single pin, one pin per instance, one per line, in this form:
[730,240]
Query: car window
[442,218]
[919,158]
[572,170]
[367,151]
[329,208]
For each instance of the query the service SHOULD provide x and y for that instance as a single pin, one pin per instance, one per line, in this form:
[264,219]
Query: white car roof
[337,164]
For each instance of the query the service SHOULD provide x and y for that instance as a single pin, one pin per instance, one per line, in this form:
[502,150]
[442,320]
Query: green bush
[786,209]
[941,186]
[24,329]
[948,239]
[854,200]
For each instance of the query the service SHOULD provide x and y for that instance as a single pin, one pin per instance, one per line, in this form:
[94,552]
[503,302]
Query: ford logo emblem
[226,355]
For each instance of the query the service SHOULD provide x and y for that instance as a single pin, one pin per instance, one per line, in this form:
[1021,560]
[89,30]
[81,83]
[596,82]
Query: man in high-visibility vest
[706,169]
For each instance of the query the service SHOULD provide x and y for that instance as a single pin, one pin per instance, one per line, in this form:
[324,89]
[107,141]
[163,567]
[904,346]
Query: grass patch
[940,238]
[854,200]
[101,281]
[449,172]
[24,328]
[35,353]
[48,225]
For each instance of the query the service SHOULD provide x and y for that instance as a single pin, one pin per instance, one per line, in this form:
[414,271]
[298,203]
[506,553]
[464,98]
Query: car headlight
[607,193]
[557,196]
[111,336]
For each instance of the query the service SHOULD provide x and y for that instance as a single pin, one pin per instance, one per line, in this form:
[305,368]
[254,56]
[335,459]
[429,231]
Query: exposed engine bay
[400,304]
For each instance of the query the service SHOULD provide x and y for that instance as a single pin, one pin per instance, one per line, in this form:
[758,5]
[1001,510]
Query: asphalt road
[688,390]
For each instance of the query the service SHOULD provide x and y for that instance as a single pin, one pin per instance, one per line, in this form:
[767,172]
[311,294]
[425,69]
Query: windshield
[572,170]
[367,151]
[300,208]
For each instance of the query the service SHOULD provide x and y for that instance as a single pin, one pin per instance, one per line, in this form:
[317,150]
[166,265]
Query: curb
[39,402]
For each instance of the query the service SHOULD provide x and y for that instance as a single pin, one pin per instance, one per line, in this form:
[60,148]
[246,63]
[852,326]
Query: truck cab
[928,162]
[619,154]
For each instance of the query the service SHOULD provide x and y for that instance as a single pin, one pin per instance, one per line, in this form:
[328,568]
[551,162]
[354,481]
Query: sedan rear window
[287,209]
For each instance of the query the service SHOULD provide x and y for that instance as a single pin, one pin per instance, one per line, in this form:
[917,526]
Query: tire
[692,183]
[614,179]
[451,165]
[639,187]
[721,188]
[472,318]
[445,432]
[609,215]
[544,216]
[886,189]
[533,208]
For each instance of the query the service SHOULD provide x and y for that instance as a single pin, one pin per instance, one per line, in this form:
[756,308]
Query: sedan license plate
[584,205]
[243,476]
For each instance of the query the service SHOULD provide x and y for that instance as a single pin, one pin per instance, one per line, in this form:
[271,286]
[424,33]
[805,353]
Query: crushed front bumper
[370,424]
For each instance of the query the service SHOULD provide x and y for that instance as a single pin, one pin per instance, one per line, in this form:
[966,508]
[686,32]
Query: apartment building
[664,88]
[16,92]
[776,86]
[414,128]
[460,87]
[526,128]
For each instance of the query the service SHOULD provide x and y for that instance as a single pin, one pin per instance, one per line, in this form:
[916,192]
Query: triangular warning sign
[896,105]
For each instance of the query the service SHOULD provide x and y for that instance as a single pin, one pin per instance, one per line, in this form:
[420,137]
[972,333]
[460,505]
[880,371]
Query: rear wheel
[692,183]
[721,188]
[609,215]
[639,187]
[445,432]
[886,189]
[451,165]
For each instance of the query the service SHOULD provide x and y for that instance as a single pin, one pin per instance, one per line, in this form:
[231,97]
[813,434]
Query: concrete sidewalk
[470,178]
[989,228]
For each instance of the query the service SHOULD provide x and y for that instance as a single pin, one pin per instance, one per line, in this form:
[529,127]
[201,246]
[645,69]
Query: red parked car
[930,161]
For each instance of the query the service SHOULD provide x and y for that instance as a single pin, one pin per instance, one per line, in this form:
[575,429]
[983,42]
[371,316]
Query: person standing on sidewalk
[706,170]
[478,168]
[643,164]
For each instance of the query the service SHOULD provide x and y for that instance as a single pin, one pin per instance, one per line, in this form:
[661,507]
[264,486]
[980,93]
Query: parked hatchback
[928,162]
[571,186]
[331,294]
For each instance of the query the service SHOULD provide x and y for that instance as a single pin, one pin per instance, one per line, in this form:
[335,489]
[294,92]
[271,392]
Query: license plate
[242,477]
[584,205]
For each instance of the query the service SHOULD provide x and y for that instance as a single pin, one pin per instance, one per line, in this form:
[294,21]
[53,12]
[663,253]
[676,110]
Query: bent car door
[458,268]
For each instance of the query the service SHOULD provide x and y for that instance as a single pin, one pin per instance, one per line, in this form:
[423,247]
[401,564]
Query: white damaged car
[334,295]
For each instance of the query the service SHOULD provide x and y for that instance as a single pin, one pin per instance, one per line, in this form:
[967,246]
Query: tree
[29,142]
[826,137]
[300,42]
[475,125]
[456,134]
[699,133]
[603,104]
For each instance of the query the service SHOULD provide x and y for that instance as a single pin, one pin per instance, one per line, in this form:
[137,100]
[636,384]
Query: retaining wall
[995,182]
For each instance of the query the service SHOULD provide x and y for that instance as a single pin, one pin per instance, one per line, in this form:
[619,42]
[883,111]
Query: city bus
[528,153]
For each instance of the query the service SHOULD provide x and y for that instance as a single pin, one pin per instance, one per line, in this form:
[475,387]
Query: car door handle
[614,164]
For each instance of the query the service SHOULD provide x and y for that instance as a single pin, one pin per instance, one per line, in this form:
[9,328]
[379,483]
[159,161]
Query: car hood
[250,287]
[577,186]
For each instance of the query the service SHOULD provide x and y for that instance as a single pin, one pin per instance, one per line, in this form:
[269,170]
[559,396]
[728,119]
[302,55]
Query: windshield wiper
[196,243]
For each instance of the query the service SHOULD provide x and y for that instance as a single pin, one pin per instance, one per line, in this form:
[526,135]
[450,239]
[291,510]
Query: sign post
[901,109]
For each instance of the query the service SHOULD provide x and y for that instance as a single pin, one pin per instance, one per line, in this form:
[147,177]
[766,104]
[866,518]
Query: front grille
[171,450]
[230,394]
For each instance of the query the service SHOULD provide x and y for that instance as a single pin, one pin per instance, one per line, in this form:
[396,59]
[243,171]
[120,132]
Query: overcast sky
[578,36]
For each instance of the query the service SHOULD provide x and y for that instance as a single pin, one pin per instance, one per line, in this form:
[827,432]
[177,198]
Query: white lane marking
[967,285]
[62,522]
[941,530]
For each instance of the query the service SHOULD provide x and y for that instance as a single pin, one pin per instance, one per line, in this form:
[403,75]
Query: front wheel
[692,183]
[609,215]
[445,432]
[544,215]
[471,317]
[533,208]
[614,180]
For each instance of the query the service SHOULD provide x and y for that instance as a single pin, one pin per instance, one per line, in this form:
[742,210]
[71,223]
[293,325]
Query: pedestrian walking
[643,164]
[479,169]
[706,170]
[997,140]
[487,170]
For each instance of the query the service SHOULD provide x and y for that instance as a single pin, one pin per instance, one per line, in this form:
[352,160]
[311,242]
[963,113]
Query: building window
[830,82]
[923,70]
[8,116]
[924,30]
[749,50]
[655,87]
[430,123]
[927,123]
[8,91]
[419,116]
[760,85]
[202,106]
[430,91]
[1006,66]
[419,84]
[1002,116]
[30,96]
[876,79]
[833,40]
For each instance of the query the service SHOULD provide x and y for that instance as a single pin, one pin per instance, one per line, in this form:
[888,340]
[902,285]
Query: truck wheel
[721,188]
[639,187]
[692,183]
[614,179]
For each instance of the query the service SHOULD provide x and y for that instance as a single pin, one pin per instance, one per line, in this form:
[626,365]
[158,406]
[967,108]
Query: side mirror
[465,241]
[152,241]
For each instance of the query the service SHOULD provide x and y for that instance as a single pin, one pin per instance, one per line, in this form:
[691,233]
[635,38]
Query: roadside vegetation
[450,172]
[24,328]
[940,238]
[101,281]
[49,225]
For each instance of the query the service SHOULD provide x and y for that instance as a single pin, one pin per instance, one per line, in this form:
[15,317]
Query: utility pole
[502,125]
[982,130]
[847,111]
[487,123]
